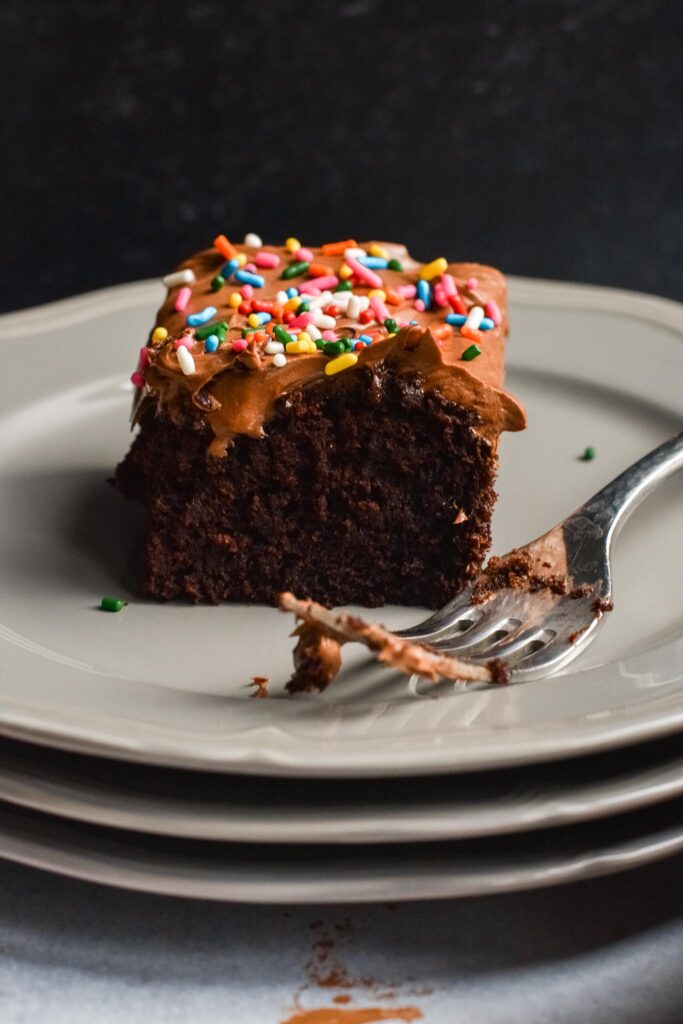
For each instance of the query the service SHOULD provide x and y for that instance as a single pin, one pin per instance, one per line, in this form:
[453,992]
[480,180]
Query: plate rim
[72,792]
[160,749]
[126,864]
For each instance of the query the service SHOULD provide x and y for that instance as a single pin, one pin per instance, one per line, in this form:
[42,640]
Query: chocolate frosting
[237,391]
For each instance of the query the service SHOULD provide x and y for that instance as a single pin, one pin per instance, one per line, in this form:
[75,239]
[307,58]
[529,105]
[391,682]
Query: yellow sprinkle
[378,250]
[379,292]
[434,269]
[392,335]
[159,334]
[241,258]
[344,272]
[341,363]
[304,336]
[299,346]
[234,300]
[254,320]
[292,245]
[292,304]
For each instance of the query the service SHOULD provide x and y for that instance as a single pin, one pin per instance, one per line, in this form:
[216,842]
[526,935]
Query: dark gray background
[542,136]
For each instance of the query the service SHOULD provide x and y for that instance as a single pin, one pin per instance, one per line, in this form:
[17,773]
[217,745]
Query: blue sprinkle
[244,277]
[365,338]
[411,322]
[229,268]
[263,317]
[292,293]
[424,292]
[374,262]
[487,324]
[211,343]
[195,319]
[456,319]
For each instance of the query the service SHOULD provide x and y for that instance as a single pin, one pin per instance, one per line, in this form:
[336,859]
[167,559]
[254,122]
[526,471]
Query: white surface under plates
[600,952]
[168,683]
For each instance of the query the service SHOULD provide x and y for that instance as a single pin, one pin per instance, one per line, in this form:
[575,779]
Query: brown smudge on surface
[260,684]
[342,998]
[365,1015]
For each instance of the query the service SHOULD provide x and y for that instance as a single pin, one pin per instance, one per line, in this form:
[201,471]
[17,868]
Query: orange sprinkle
[394,298]
[319,270]
[224,247]
[471,333]
[442,332]
[337,248]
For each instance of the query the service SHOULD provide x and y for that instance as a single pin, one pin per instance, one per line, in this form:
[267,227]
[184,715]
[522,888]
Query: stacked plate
[135,753]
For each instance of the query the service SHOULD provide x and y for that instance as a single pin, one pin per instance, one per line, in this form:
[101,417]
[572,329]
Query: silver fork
[535,634]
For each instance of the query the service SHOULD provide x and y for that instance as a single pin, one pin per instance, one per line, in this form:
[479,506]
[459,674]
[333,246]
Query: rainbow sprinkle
[332,304]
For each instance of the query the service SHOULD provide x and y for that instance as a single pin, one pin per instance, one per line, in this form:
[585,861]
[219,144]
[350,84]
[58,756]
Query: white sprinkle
[273,347]
[178,277]
[324,322]
[357,303]
[313,332]
[474,317]
[342,300]
[282,297]
[355,253]
[316,301]
[253,240]
[280,360]
[186,361]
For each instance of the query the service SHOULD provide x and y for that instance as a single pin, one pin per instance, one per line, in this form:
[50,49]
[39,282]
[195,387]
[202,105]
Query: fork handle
[611,507]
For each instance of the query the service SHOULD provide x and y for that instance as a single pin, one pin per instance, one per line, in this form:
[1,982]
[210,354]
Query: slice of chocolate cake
[323,421]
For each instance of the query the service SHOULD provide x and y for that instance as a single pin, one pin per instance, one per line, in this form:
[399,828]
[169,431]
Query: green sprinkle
[282,335]
[217,283]
[303,307]
[294,270]
[395,265]
[348,344]
[391,325]
[334,348]
[588,455]
[344,286]
[471,353]
[319,343]
[112,604]
[218,329]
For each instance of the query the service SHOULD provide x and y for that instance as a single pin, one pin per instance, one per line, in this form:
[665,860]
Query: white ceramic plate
[338,874]
[168,684]
[242,808]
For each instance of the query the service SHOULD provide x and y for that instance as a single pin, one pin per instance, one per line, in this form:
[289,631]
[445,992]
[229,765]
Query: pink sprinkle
[266,259]
[471,283]
[184,341]
[239,345]
[310,287]
[300,321]
[182,299]
[304,255]
[329,336]
[321,283]
[448,285]
[408,291]
[363,273]
[419,305]
[247,291]
[492,310]
[144,358]
[379,308]
[137,379]
[250,267]
[440,296]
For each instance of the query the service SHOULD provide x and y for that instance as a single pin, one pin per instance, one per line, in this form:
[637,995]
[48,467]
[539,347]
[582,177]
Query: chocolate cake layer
[323,421]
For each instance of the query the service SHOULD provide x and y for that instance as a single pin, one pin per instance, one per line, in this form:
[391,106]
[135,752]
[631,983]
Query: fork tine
[513,650]
[487,627]
[444,620]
